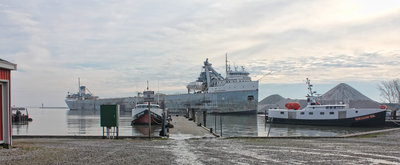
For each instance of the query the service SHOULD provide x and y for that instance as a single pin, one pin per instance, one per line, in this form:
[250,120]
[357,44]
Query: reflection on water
[87,122]
[76,122]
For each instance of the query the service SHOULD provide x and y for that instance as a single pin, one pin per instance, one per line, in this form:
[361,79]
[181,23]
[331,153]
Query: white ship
[85,100]
[235,93]
[327,115]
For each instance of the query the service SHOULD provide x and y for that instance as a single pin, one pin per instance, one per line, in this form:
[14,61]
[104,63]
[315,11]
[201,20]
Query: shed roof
[7,65]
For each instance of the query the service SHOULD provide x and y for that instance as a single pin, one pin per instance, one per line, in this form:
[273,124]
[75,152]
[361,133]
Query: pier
[185,129]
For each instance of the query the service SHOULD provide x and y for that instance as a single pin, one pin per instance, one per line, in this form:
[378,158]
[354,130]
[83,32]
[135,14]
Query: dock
[185,129]
[392,123]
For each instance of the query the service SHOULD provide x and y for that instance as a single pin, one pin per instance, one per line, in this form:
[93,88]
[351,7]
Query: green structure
[109,117]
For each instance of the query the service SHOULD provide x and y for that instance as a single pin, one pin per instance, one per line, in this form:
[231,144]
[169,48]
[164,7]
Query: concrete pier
[185,129]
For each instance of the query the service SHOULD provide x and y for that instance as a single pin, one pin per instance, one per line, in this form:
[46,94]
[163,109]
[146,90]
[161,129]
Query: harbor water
[87,122]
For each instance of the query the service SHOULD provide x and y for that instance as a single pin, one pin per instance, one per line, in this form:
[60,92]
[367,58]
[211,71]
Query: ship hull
[217,102]
[375,119]
[126,103]
[143,118]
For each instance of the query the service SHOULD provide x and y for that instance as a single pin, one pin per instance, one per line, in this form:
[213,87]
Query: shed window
[331,113]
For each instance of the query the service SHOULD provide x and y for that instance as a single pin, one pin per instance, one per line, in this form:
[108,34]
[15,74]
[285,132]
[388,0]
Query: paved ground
[185,129]
[382,148]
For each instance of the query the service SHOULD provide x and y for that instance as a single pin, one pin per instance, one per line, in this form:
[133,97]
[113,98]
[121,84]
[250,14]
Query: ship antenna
[309,86]
[79,87]
[226,63]
[147,84]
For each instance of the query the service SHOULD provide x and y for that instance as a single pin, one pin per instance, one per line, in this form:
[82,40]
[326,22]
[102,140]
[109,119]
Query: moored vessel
[140,114]
[327,115]
[234,93]
[85,100]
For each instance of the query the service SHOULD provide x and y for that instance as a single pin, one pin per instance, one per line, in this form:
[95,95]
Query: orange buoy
[294,106]
[383,107]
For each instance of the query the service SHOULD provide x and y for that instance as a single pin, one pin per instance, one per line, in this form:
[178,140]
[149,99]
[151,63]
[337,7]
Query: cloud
[331,68]
[115,46]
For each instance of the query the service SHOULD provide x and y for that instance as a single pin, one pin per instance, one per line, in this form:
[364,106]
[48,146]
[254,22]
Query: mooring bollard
[220,123]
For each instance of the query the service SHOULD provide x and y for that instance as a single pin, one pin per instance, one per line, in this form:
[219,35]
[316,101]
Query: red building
[5,102]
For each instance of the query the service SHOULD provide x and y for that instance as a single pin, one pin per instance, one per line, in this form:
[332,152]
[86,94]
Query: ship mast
[226,64]
[311,99]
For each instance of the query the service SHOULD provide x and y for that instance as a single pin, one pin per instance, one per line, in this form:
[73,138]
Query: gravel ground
[382,148]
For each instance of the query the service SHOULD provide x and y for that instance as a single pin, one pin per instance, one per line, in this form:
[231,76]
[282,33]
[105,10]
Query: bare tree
[390,90]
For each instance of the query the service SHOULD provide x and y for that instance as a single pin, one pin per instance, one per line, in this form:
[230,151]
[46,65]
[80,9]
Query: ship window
[322,113]
[326,107]
[282,113]
[356,111]
[250,98]
[331,113]
[301,113]
[310,113]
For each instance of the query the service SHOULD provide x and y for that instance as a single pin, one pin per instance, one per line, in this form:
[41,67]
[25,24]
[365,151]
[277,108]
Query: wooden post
[149,120]
[205,118]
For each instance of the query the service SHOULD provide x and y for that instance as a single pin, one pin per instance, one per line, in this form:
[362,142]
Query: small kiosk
[5,102]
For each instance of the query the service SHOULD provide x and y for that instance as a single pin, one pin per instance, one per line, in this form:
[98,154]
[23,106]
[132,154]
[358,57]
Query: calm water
[66,122]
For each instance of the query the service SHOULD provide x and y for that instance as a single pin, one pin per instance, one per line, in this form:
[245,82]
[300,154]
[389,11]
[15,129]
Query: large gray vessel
[85,100]
[235,93]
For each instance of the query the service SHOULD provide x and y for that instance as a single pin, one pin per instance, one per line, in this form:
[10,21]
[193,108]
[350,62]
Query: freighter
[85,100]
[235,93]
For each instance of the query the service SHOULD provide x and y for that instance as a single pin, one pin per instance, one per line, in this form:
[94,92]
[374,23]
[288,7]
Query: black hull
[371,120]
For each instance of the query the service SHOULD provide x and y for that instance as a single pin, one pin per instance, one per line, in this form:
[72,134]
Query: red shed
[5,102]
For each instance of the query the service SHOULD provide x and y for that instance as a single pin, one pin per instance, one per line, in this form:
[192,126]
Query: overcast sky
[115,46]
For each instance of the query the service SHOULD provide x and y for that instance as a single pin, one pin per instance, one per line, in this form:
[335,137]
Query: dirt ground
[381,148]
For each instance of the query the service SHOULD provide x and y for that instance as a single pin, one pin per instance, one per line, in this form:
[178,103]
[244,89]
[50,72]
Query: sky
[115,46]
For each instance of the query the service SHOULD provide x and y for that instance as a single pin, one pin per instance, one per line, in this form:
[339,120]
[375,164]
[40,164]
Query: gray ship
[85,100]
[235,93]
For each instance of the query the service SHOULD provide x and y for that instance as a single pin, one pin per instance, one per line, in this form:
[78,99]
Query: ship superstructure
[231,94]
[85,100]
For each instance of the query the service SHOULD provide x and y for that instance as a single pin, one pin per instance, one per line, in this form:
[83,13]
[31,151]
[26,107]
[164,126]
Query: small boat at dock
[20,114]
[327,115]
[140,114]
